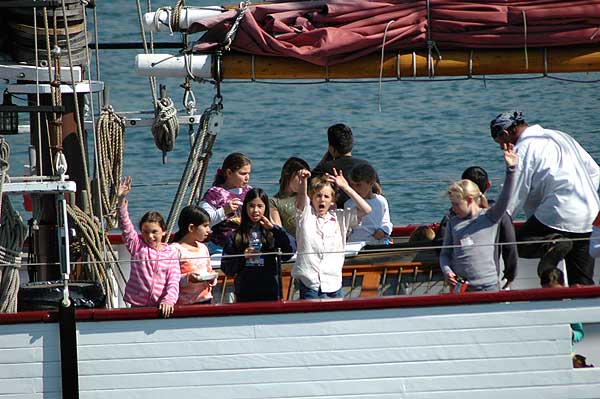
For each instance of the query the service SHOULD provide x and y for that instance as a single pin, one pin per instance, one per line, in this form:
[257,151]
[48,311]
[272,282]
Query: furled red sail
[337,31]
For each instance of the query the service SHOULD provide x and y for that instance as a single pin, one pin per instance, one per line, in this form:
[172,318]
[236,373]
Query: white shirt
[321,242]
[377,219]
[557,181]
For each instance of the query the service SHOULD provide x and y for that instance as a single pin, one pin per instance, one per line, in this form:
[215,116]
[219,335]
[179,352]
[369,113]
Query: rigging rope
[12,235]
[87,246]
[109,136]
[197,163]
[165,127]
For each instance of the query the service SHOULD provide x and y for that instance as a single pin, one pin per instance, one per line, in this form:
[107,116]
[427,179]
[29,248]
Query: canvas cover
[336,31]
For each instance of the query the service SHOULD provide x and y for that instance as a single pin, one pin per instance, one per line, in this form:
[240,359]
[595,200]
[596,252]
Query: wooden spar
[453,63]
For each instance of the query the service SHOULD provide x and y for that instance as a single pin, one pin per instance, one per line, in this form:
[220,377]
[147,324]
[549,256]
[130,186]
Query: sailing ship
[396,335]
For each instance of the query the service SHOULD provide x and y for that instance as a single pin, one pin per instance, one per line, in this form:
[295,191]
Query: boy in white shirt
[321,234]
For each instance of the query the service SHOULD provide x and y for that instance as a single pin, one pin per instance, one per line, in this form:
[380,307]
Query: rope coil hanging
[165,127]
[109,136]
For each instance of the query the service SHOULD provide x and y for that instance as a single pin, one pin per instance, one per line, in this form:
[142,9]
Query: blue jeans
[307,293]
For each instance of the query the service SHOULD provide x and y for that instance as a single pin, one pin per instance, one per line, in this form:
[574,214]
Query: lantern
[9,116]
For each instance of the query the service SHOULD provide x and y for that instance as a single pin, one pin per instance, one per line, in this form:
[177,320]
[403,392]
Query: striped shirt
[154,276]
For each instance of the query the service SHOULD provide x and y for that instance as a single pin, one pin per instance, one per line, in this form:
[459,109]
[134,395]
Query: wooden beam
[409,65]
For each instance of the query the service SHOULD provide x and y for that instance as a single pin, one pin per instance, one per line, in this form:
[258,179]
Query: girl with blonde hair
[468,250]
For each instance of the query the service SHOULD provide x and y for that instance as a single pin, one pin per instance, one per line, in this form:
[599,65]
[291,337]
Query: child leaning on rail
[154,274]
[376,227]
[197,276]
[256,276]
[321,234]
[468,251]
[223,200]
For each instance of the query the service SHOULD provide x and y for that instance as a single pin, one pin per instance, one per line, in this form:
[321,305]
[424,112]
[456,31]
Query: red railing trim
[257,308]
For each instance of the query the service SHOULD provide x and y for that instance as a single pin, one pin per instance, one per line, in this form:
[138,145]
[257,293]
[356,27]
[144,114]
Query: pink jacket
[154,276]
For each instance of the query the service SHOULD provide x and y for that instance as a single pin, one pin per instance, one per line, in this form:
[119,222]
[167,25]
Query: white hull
[373,348]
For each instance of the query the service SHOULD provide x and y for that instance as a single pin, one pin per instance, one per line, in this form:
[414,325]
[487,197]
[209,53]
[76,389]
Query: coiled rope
[165,127]
[110,136]
[96,261]
[12,235]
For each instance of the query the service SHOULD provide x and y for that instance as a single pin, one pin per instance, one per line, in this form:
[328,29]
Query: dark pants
[580,265]
[307,293]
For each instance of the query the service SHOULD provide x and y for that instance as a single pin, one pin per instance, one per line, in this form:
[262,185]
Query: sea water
[427,132]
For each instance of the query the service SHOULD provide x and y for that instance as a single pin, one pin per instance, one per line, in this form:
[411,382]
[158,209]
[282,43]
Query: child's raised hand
[303,174]
[266,223]
[338,179]
[232,206]
[510,156]
[124,187]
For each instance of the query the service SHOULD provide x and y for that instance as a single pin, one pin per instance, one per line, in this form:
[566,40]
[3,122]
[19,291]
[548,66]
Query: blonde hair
[464,189]
[317,184]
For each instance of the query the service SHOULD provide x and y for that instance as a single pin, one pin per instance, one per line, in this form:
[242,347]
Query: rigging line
[151,79]
[390,250]
[77,113]
[95,144]
[37,89]
[381,63]
[525,38]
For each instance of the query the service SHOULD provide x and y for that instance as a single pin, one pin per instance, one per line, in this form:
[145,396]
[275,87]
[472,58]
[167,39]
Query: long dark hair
[234,161]
[288,170]
[242,234]
[191,214]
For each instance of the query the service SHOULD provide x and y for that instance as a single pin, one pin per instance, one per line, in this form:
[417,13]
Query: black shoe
[557,252]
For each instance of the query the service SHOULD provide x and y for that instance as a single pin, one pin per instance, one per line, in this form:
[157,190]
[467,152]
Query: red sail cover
[336,31]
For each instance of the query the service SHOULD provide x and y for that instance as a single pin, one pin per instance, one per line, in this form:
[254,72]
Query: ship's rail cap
[45,187]
[86,86]
[14,71]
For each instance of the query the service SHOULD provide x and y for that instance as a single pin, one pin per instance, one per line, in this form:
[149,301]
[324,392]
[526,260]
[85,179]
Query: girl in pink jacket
[155,274]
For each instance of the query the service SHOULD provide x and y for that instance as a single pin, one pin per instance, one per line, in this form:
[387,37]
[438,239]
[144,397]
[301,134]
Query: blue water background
[427,133]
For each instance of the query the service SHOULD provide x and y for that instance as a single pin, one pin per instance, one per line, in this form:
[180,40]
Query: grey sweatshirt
[476,236]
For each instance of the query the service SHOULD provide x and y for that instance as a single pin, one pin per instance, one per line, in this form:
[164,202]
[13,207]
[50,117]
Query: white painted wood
[28,72]
[29,360]
[375,340]
[497,350]
[159,21]
[166,65]
[80,87]
[39,187]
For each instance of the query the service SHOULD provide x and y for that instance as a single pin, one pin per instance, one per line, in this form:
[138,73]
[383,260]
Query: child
[226,195]
[506,230]
[376,227]
[469,240]
[257,277]
[283,204]
[197,276]
[321,234]
[154,276]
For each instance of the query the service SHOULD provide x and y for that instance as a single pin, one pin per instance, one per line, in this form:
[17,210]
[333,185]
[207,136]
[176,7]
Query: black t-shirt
[343,163]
